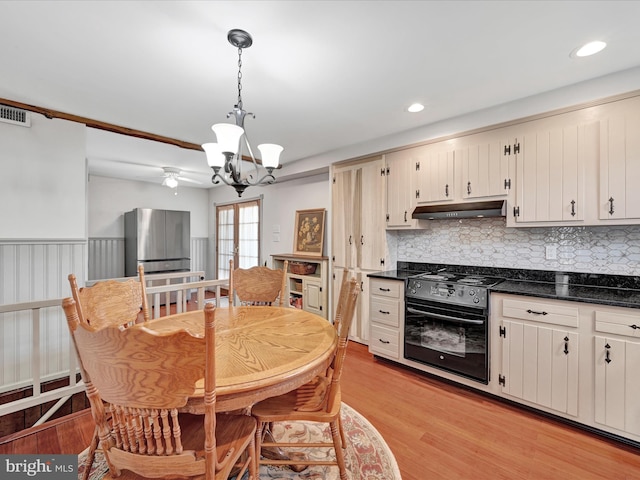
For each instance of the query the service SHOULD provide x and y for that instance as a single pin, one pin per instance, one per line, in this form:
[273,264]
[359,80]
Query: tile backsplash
[487,242]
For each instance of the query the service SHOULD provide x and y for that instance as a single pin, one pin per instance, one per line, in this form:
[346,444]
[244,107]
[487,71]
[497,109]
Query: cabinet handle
[611,210]
[566,345]
[536,313]
[446,190]
[383,312]
[361,239]
[384,289]
[350,240]
[469,188]
[383,341]
[634,326]
[573,208]
[607,356]
[405,215]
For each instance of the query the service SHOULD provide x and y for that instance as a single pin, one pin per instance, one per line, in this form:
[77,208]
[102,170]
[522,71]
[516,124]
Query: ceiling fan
[173,175]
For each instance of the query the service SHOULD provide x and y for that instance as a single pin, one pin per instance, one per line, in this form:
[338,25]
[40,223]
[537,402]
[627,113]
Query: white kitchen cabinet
[386,310]
[358,230]
[434,172]
[400,172]
[308,292]
[550,173]
[539,357]
[343,231]
[617,362]
[358,215]
[359,331]
[620,163]
[485,167]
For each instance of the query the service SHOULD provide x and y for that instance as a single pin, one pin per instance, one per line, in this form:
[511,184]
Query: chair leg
[343,437]
[335,434]
[258,443]
[91,455]
[253,466]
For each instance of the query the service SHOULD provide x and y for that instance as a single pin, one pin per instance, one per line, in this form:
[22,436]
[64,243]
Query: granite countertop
[616,290]
[621,297]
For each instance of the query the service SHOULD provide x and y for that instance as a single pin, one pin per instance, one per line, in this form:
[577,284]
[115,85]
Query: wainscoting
[29,271]
[106,257]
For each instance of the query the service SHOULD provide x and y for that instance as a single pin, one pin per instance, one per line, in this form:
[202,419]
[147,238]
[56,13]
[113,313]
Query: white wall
[42,184]
[110,198]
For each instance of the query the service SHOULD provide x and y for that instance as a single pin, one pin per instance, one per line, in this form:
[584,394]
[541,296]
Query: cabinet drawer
[385,310]
[618,323]
[385,341]
[386,288]
[541,312]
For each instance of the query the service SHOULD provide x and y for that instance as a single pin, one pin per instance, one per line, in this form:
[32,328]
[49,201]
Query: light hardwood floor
[436,431]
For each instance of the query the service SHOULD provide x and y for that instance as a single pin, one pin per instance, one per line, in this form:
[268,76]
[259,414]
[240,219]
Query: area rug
[367,455]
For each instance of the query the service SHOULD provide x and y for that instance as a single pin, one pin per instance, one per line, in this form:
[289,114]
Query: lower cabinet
[386,310]
[577,360]
[539,356]
[306,290]
[540,364]
[617,363]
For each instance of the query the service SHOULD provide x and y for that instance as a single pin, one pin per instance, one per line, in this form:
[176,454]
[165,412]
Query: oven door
[448,337]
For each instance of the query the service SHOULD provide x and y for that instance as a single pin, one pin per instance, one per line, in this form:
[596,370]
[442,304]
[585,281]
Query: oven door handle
[444,317]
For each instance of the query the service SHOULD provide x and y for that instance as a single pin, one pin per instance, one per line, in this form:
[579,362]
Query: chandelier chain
[240,78]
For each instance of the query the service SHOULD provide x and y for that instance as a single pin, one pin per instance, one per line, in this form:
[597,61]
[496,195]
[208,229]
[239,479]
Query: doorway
[237,236]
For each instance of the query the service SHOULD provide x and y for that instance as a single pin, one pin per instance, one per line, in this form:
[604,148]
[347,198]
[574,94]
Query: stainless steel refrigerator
[160,240]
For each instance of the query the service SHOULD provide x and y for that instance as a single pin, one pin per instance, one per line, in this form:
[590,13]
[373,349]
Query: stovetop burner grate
[460,278]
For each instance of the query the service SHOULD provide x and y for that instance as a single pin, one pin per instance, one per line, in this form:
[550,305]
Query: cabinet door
[616,384]
[620,165]
[372,241]
[485,169]
[550,170]
[435,174]
[361,331]
[342,236]
[313,297]
[400,184]
[540,365]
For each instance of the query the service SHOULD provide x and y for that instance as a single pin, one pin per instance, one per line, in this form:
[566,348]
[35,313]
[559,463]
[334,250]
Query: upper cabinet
[550,167]
[620,163]
[400,172]
[358,215]
[434,173]
[485,163]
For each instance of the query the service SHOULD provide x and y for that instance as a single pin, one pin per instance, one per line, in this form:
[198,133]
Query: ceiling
[320,76]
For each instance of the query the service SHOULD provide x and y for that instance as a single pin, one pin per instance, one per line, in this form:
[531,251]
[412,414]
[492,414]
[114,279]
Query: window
[238,236]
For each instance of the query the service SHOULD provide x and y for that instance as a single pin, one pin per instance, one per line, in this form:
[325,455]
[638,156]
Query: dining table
[261,352]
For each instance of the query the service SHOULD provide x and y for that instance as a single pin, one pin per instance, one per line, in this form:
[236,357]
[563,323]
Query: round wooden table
[261,352]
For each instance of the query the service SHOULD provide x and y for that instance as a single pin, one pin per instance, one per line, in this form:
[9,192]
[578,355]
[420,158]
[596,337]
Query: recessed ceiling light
[416,107]
[590,48]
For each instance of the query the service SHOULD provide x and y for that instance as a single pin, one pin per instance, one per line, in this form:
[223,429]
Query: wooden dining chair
[145,377]
[257,286]
[111,302]
[340,302]
[317,401]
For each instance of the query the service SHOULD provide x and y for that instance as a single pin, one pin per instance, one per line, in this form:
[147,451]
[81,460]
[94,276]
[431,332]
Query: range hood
[494,208]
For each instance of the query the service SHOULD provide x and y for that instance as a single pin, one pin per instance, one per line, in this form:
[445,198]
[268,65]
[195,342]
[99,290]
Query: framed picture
[309,232]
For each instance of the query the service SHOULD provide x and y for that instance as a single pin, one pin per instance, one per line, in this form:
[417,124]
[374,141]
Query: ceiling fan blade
[185,179]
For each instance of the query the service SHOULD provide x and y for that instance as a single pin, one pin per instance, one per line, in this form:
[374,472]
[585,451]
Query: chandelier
[232,140]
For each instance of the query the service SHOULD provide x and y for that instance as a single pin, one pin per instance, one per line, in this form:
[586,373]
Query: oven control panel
[471,296]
